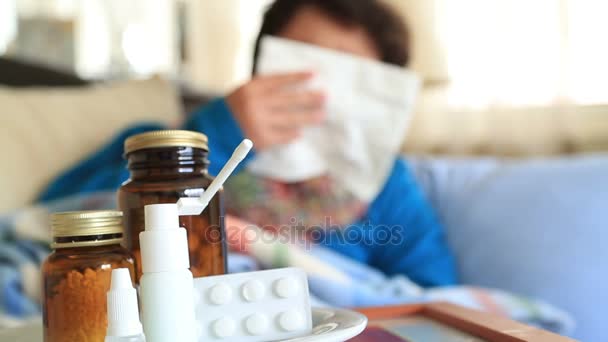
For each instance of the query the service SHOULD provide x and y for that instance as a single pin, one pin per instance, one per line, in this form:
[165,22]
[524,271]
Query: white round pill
[220,294]
[256,324]
[291,320]
[224,327]
[285,287]
[253,290]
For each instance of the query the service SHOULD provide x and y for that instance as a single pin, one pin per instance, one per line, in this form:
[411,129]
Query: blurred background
[483,61]
[518,87]
[554,44]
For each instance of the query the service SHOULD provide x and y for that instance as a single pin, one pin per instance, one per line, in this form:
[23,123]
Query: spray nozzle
[164,216]
[195,206]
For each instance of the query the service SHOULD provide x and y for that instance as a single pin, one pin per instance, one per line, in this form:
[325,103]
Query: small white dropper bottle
[123,313]
[167,285]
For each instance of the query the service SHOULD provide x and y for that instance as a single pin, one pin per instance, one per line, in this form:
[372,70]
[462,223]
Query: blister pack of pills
[254,306]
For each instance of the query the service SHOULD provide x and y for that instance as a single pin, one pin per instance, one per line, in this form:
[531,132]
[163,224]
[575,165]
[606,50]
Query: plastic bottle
[123,312]
[166,286]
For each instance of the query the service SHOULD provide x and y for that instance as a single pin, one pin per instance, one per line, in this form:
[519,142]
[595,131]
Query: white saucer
[329,325]
[333,325]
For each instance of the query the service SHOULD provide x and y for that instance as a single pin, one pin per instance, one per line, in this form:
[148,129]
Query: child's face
[312,26]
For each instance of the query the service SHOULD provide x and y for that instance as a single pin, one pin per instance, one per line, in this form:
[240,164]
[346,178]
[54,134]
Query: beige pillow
[44,131]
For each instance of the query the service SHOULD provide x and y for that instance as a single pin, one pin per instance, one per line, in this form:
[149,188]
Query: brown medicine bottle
[76,276]
[165,166]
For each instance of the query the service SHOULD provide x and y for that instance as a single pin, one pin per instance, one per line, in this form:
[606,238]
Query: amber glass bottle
[165,166]
[76,276]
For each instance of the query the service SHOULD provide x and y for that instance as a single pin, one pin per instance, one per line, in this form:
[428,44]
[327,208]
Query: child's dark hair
[386,28]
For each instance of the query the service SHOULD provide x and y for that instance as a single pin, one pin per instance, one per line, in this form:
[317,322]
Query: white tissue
[368,109]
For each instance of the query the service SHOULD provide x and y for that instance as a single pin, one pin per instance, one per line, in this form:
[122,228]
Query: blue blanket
[334,280]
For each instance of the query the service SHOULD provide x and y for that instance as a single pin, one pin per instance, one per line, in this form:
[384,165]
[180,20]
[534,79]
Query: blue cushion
[538,228]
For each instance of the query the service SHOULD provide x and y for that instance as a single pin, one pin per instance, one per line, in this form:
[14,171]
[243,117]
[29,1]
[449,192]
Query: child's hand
[271,110]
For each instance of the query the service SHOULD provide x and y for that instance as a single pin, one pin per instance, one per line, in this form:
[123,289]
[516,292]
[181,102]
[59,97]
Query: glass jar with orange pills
[76,276]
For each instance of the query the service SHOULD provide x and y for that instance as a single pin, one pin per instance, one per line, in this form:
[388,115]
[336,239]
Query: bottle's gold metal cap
[168,138]
[86,228]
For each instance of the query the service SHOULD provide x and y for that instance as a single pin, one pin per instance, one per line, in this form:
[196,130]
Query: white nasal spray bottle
[166,286]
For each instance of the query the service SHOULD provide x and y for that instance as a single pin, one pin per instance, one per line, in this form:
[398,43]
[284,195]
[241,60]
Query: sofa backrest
[44,131]
[536,227]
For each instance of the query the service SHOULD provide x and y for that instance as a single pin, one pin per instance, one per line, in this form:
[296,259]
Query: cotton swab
[195,206]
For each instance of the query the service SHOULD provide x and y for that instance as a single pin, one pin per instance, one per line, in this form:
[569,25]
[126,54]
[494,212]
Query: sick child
[271,111]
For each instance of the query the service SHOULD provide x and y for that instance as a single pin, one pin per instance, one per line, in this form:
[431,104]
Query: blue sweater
[399,234]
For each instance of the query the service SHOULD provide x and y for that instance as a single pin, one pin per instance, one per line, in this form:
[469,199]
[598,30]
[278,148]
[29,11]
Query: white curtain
[129,38]
[512,52]
[8,23]
[492,52]
[509,77]
[220,37]
[429,55]
[137,37]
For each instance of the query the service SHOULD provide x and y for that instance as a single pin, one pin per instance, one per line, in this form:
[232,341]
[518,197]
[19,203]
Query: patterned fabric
[333,279]
[274,205]
[341,282]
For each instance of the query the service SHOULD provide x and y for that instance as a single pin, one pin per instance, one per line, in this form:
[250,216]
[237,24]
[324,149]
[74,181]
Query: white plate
[333,325]
[329,325]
